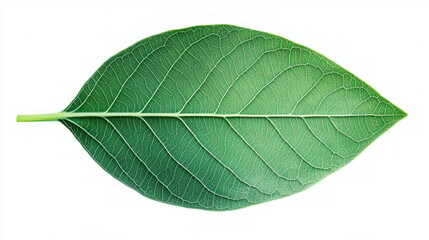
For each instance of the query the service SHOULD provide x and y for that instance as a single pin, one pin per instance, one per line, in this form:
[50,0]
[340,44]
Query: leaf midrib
[65,115]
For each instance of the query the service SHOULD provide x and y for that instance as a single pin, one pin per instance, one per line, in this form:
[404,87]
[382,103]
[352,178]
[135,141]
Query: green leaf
[221,117]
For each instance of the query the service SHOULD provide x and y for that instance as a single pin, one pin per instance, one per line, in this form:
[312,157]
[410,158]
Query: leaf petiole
[40,117]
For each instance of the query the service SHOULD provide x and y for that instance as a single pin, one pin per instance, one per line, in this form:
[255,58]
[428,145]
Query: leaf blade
[221,117]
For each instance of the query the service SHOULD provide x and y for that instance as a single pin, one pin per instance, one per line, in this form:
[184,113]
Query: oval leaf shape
[221,117]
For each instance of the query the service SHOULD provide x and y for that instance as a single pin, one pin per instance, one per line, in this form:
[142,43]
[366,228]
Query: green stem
[40,117]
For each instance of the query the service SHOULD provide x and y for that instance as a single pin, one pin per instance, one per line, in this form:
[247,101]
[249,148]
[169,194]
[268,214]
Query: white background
[52,189]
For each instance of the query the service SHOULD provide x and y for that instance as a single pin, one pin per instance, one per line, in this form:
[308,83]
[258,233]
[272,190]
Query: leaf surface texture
[222,117]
